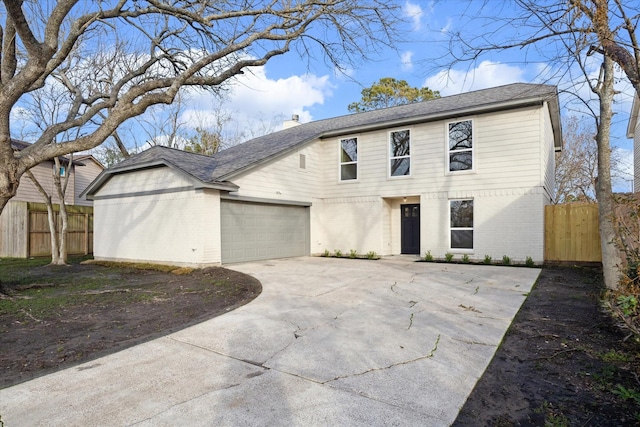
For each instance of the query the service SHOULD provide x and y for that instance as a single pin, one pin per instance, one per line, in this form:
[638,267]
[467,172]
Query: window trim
[390,158]
[447,153]
[461,250]
[341,163]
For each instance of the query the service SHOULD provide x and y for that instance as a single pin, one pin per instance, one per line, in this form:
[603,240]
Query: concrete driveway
[328,342]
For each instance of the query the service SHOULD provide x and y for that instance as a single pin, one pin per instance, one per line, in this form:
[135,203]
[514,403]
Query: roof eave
[105,175]
[488,108]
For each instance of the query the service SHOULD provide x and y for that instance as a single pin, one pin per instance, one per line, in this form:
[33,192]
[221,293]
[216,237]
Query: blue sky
[290,85]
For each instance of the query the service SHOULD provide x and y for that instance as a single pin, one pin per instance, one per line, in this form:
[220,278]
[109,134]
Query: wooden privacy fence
[79,231]
[571,233]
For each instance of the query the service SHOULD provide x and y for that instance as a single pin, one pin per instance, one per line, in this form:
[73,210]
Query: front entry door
[410,229]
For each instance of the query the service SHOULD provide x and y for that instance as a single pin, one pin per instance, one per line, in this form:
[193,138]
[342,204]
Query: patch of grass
[604,378]
[182,271]
[136,265]
[38,291]
[552,416]
[615,356]
[627,393]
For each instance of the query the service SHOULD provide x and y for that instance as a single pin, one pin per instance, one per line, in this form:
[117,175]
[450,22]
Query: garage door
[255,231]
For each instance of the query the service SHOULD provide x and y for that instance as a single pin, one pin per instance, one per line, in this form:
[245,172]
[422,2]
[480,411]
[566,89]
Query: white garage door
[255,231]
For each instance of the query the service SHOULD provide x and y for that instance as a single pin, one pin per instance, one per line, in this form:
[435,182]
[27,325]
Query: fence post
[86,233]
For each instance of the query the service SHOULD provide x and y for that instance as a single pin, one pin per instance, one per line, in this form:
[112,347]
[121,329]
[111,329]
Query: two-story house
[463,174]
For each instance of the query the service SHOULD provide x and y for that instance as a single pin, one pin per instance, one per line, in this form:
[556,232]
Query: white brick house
[464,174]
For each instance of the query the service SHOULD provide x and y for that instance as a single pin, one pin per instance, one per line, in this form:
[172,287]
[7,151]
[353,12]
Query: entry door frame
[410,228]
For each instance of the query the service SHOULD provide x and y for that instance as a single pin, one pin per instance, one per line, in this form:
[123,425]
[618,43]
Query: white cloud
[415,13]
[343,72]
[254,92]
[254,100]
[406,60]
[486,74]
[447,26]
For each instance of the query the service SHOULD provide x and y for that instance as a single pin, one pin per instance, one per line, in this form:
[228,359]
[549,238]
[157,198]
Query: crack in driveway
[406,362]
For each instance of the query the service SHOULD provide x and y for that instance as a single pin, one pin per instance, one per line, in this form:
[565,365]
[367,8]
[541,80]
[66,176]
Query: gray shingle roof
[227,163]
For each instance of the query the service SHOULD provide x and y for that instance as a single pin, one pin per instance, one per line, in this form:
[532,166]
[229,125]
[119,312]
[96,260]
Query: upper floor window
[348,159]
[460,146]
[400,153]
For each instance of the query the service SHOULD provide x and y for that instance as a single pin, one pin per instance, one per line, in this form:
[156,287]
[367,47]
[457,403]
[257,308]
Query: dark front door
[410,229]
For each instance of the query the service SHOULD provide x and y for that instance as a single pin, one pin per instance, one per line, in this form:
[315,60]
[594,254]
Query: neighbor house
[464,174]
[633,131]
[16,232]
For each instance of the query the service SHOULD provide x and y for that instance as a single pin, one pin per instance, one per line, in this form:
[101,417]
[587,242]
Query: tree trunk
[610,255]
[62,235]
[53,229]
[53,226]
[61,189]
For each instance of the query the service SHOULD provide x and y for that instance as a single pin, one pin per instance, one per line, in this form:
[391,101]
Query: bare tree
[169,45]
[45,107]
[577,164]
[573,34]
[164,125]
[58,230]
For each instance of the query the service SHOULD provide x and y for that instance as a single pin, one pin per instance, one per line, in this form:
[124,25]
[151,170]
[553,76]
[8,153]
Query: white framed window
[302,161]
[460,146]
[348,159]
[400,153]
[461,223]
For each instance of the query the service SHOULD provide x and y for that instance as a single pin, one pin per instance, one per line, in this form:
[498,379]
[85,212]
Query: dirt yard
[55,317]
[562,363]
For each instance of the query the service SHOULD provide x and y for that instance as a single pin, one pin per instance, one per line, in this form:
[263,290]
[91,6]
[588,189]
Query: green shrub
[326,253]
[338,253]
[529,262]
[353,253]
[448,257]
[371,255]
[487,259]
[465,259]
[506,260]
[428,257]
